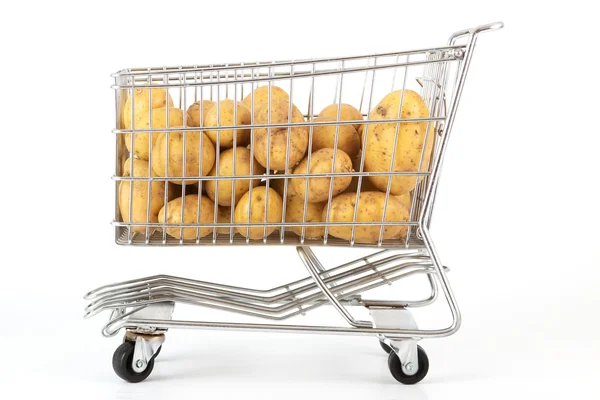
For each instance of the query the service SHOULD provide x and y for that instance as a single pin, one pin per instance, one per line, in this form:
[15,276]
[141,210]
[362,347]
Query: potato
[257,212]
[411,138]
[347,113]
[224,217]
[370,209]
[141,103]
[159,120]
[279,136]
[366,185]
[193,158]
[226,110]
[190,216]
[193,112]
[406,200]
[261,97]
[294,211]
[140,196]
[324,137]
[321,162]
[242,167]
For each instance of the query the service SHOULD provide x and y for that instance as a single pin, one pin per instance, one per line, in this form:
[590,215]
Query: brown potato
[190,216]
[279,136]
[348,113]
[410,142]
[321,162]
[365,185]
[294,211]
[226,165]
[139,210]
[159,120]
[261,97]
[370,209]
[324,137]
[226,111]
[193,112]
[224,217]
[193,158]
[141,104]
[257,213]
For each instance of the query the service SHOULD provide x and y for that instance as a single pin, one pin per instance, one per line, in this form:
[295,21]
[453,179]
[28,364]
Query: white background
[516,216]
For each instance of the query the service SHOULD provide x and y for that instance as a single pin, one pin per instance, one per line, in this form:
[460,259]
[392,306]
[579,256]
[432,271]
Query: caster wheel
[385,347]
[396,368]
[122,360]
[157,353]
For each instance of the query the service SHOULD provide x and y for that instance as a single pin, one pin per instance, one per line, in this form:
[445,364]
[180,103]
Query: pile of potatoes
[269,151]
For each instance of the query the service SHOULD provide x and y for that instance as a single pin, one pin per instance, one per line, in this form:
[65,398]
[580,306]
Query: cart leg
[146,348]
[314,267]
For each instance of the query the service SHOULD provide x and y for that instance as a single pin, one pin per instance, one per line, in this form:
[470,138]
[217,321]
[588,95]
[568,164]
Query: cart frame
[144,307]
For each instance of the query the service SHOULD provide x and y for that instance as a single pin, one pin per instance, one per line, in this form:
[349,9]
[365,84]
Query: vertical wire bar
[131,153]
[150,140]
[168,139]
[362,96]
[340,83]
[184,167]
[200,151]
[389,184]
[287,154]
[269,110]
[395,72]
[217,154]
[235,131]
[438,148]
[119,110]
[310,139]
[437,72]
[252,86]
[363,153]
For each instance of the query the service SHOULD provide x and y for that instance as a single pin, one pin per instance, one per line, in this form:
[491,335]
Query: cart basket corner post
[175,124]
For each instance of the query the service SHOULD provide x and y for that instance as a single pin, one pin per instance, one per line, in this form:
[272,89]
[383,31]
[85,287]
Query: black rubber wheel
[122,360]
[385,347]
[157,353]
[396,368]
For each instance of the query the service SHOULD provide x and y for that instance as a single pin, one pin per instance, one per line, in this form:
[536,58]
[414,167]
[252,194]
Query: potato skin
[261,97]
[142,103]
[320,162]
[140,196]
[159,120]
[370,209]
[190,213]
[257,213]
[242,167]
[324,137]
[193,156]
[226,111]
[347,113]
[294,211]
[279,136]
[224,217]
[193,112]
[411,138]
[365,185]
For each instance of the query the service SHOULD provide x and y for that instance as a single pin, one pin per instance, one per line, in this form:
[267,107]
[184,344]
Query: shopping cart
[144,307]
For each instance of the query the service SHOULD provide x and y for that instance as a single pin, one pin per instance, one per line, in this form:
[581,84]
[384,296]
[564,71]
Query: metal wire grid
[380,74]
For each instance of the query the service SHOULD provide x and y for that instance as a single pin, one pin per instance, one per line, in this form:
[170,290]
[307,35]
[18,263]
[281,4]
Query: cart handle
[476,30]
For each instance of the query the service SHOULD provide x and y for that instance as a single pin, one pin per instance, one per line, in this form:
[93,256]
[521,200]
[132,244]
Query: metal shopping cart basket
[144,307]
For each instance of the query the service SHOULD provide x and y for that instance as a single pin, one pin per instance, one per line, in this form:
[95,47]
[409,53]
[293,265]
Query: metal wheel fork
[405,349]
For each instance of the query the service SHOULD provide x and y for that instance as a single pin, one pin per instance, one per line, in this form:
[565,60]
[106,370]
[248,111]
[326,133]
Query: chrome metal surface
[406,349]
[145,348]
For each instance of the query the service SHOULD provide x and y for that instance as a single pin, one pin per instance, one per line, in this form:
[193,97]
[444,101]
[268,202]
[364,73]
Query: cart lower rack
[144,307]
